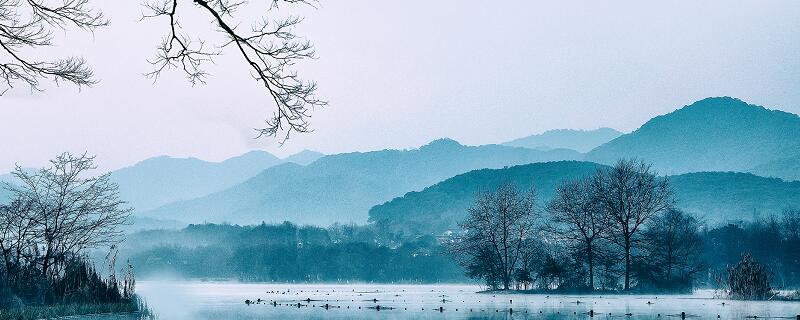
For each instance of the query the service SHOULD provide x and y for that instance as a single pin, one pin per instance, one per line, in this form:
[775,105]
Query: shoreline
[63,311]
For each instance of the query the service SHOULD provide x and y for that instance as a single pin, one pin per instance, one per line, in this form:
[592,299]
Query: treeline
[340,253]
[286,253]
[773,241]
[617,229]
[55,215]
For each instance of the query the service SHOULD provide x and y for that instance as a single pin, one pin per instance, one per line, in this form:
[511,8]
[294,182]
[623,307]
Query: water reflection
[221,300]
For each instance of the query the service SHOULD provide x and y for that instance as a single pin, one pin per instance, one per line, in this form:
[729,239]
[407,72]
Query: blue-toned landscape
[304,159]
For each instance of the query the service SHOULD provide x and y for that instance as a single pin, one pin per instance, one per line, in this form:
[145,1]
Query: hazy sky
[400,73]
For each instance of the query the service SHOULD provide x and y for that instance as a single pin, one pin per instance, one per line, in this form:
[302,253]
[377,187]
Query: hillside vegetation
[715,197]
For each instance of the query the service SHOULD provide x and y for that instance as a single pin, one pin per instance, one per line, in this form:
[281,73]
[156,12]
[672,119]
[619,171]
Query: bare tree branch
[270,48]
[29,24]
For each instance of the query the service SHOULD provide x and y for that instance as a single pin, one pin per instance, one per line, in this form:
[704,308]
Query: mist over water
[183,300]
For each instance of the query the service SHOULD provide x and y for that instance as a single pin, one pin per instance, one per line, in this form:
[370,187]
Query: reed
[136,308]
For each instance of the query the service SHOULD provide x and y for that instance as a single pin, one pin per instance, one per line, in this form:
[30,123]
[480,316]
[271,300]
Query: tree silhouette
[498,233]
[631,194]
[270,48]
[577,217]
[28,25]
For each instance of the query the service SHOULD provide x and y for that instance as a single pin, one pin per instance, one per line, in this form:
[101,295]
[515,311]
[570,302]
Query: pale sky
[398,74]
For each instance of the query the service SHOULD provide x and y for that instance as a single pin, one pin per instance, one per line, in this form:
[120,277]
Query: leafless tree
[269,47]
[66,211]
[672,244]
[631,194]
[498,228]
[16,237]
[577,217]
[27,25]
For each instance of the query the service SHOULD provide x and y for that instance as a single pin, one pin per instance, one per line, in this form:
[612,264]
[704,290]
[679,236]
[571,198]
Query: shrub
[748,280]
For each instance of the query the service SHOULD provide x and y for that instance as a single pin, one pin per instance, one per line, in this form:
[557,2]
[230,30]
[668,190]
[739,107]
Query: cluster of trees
[287,252]
[615,229]
[773,241]
[542,250]
[54,216]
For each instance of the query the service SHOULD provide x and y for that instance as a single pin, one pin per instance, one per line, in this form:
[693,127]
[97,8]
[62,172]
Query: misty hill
[342,187]
[733,196]
[442,205]
[304,157]
[788,169]
[5,196]
[579,140]
[157,181]
[715,196]
[714,134]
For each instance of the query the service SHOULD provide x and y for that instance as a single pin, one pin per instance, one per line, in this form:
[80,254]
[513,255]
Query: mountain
[733,196]
[442,205]
[157,181]
[788,168]
[714,134]
[579,140]
[5,196]
[304,157]
[714,196]
[342,187]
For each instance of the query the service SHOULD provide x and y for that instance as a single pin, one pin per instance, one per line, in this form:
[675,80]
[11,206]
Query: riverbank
[136,308]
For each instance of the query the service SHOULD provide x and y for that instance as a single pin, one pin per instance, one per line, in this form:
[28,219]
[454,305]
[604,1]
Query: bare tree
[27,25]
[67,211]
[16,237]
[673,246]
[497,232]
[631,194]
[577,217]
[270,48]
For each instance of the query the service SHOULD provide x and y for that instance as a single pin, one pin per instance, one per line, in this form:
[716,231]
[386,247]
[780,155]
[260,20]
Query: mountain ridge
[360,179]
[713,134]
[157,181]
[578,140]
[716,197]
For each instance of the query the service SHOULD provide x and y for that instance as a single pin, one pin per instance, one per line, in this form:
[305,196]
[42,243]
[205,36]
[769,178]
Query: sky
[398,74]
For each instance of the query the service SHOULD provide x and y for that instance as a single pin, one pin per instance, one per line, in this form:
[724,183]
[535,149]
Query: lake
[226,300]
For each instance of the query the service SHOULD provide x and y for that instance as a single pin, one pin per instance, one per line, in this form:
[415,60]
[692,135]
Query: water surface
[226,300]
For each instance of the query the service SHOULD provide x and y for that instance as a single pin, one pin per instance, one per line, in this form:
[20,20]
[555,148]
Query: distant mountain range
[342,187]
[787,168]
[733,196]
[714,134]
[157,181]
[4,195]
[710,135]
[162,180]
[304,157]
[578,140]
[714,196]
[443,205]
